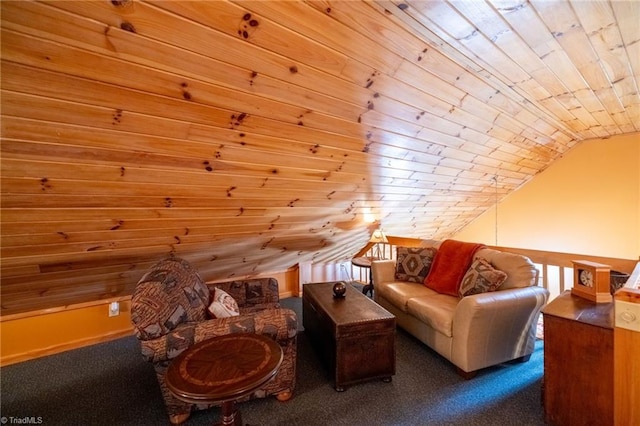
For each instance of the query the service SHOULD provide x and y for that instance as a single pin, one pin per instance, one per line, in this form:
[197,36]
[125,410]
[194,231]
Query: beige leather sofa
[475,331]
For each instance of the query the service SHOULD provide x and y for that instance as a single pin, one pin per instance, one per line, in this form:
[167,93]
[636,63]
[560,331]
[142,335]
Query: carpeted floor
[110,384]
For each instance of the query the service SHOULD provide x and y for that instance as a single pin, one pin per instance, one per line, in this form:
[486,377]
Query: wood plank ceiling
[250,136]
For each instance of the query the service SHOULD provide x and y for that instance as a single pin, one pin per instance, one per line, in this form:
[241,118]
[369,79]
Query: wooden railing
[555,268]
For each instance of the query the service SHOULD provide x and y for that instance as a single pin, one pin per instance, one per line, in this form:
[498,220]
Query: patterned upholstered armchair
[169,314]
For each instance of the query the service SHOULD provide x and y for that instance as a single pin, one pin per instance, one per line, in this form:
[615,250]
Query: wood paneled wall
[247,136]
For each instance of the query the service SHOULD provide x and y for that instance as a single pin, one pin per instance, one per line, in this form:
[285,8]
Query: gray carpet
[110,384]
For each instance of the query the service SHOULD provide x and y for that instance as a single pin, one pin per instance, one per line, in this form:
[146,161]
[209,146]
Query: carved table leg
[230,416]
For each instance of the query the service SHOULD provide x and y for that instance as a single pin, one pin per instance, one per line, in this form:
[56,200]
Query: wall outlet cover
[114,309]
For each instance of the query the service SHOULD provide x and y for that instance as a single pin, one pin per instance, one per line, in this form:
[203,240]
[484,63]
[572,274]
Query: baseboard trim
[56,309]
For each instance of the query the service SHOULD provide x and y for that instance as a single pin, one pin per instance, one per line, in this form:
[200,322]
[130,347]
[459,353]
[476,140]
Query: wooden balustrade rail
[547,259]
[555,267]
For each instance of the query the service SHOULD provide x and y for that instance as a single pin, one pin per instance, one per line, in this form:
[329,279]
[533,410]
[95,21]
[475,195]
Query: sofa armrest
[383,271]
[280,324]
[495,327]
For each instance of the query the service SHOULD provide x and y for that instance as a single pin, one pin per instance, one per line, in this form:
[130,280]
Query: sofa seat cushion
[398,293]
[436,310]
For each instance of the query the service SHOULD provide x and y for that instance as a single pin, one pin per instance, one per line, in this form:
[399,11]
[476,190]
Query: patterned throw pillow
[223,305]
[413,263]
[481,277]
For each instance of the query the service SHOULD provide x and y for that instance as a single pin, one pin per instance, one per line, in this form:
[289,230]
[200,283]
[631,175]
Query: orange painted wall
[24,337]
[33,336]
[586,203]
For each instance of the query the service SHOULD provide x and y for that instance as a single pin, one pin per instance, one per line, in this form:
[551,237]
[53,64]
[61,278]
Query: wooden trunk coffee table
[223,369]
[354,335]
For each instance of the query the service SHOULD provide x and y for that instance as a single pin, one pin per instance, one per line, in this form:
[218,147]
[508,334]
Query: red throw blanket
[451,262]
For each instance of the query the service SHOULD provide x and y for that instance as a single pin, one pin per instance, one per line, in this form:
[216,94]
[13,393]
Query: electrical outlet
[114,309]
[627,315]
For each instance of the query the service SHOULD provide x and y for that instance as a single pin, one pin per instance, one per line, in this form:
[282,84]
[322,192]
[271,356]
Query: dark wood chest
[354,336]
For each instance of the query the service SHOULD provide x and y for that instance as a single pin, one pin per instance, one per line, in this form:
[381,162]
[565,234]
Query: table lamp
[378,237]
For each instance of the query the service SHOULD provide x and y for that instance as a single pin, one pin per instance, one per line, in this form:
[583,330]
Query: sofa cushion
[398,293]
[413,263]
[521,272]
[223,305]
[436,310]
[481,277]
[450,263]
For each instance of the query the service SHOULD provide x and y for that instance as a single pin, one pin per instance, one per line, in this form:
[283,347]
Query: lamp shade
[378,237]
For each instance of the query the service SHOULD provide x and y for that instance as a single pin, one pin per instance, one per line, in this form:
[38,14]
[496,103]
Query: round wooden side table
[223,369]
[365,262]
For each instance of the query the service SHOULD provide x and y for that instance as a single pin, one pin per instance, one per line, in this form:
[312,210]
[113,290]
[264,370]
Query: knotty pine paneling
[248,136]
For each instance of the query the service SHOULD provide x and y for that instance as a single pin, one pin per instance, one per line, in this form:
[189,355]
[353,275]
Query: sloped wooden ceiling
[250,136]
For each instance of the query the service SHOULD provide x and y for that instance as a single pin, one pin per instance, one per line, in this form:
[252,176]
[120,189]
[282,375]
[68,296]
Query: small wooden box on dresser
[578,361]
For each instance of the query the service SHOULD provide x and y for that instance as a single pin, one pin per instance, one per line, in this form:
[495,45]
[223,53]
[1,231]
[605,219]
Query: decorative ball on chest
[339,289]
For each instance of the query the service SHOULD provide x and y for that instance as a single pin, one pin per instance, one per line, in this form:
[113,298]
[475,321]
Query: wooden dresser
[578,361]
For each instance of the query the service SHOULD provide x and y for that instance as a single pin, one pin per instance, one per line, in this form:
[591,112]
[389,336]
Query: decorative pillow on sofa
[481,277]
[413,263]
[223,305]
